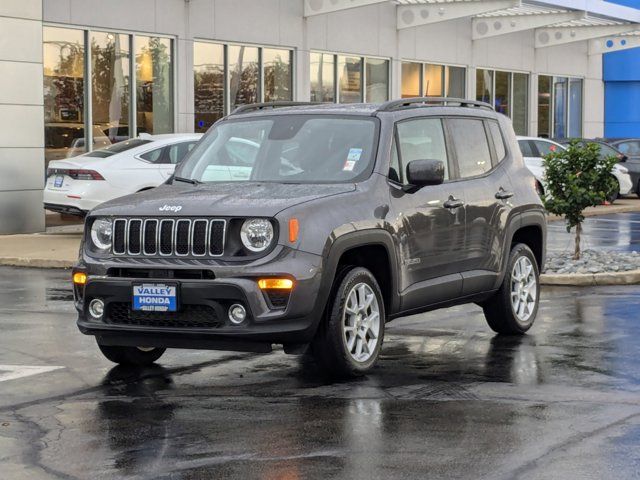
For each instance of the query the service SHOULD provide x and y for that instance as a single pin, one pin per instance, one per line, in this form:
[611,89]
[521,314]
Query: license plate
[58,181]
[155,297]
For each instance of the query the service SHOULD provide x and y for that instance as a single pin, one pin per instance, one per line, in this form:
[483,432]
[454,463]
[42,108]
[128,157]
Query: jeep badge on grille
[170,208]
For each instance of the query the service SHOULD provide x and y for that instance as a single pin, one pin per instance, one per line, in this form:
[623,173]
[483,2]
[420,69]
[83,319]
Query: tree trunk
[576,252]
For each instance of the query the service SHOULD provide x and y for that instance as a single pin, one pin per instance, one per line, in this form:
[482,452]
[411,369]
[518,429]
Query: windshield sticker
[354,155]
[348,166]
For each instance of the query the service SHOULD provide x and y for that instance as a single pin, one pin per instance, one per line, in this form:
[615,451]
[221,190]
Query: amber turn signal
[275,284]
[79,278]
[294,229]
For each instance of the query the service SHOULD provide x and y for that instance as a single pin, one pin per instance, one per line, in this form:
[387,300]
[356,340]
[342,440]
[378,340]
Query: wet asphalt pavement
[618,231]
[449,399]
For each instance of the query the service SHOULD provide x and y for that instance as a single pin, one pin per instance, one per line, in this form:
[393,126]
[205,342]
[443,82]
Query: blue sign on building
[621,74]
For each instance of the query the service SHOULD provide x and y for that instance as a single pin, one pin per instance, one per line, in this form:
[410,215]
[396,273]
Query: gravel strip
[592,261]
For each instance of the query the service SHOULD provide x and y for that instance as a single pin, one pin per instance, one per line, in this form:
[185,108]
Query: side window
[526,147]
[178,151]
[421,139]
[545,148]
[154,156]
[472,147]
[498,142]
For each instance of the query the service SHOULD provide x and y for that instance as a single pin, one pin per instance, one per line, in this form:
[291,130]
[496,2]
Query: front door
[429,223]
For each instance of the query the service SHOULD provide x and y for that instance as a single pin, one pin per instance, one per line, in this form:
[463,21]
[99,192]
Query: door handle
[502,194]
[453,203]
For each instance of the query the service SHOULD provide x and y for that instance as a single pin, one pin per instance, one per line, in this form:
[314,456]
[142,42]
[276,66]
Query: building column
[22,172]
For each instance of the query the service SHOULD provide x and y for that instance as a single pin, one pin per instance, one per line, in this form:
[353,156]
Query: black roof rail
[417,102]
[260,106]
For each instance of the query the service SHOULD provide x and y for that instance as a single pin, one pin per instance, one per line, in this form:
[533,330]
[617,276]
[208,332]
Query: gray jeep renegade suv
[312,226]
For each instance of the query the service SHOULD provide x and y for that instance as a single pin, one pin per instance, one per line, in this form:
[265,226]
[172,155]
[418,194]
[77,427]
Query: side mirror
[622,157]
[421,173]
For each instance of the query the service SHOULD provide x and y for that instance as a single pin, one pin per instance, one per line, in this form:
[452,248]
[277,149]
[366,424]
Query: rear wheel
[349,338]
[138,356]
[513,308]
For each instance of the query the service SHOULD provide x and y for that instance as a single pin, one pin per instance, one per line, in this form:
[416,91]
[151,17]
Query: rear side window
[527,149]
[421,139]
[498,142]
[472,147]
[178,151]
[154,156]
[545,148]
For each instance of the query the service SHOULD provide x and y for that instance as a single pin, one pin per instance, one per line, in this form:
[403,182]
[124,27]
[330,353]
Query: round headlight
[101,233]
[256,234]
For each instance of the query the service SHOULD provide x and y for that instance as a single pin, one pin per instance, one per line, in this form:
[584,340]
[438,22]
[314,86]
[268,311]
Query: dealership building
[81,74]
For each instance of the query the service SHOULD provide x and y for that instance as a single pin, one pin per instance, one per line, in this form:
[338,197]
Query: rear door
[429,222]
[480,150]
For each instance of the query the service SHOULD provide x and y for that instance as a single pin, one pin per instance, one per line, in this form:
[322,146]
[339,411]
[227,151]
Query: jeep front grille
[168,237]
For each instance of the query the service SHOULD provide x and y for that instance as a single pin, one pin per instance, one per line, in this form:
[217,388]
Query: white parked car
[76,185]
[534,148]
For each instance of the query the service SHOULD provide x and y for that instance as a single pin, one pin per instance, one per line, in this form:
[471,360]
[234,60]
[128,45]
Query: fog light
[237,314]
[96,308]
[79,278]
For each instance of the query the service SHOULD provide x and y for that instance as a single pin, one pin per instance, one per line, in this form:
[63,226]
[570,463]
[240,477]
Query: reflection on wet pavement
[449,400]
[620,231]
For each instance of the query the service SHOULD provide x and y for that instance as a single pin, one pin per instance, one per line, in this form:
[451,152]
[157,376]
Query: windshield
[286,149]
[117,148]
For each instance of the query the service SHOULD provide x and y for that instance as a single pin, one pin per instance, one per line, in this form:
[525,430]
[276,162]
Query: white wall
[21,117]
[368,30]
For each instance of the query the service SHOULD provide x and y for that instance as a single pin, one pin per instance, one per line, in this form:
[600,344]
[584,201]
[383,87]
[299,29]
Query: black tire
[329,347]
[499,311]
[615,193]
[131,355]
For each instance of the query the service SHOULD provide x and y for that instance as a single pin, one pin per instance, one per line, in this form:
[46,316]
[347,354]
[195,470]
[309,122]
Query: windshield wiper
[186,180]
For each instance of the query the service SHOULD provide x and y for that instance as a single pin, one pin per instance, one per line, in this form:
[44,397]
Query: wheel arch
[364,249]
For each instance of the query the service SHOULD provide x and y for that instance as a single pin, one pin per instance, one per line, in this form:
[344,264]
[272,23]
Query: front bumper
[202,318]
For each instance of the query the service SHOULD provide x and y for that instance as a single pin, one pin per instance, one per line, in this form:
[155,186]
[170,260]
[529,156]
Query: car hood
[222,199]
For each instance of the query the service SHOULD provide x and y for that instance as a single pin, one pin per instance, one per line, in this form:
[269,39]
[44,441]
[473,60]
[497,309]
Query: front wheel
[349,338]
[137,356]
[513,308]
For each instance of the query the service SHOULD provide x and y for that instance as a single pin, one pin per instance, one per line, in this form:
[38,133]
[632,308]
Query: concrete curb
[631,277]
[34,262]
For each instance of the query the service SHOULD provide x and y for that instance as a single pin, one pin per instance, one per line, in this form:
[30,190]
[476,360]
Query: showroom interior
[80,75]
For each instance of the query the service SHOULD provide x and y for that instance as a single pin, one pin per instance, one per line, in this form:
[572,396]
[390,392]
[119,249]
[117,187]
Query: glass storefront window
[110,63]
[322,77]
[432,82]
[208,84]
[350,79]
[377,75]
[154,85]
[559,107]
[63,63]
[520,100]
[244,75]
[454,81]
[575,107]
[484,85]
[411,77]
[277,74]
[544,106]
[502,94]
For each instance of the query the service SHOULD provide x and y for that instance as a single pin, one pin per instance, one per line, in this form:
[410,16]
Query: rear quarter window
[498,141]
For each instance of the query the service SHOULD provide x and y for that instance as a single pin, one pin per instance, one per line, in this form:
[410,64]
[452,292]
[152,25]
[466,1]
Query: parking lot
[448,399]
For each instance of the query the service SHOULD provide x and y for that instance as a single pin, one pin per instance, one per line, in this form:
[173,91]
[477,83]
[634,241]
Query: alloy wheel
[361,322]
[524,288]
